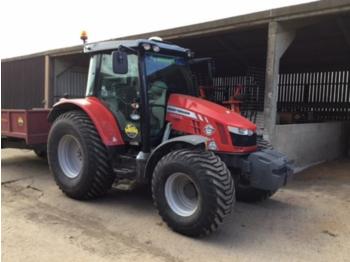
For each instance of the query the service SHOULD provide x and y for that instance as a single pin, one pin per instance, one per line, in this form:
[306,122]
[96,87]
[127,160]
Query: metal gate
[315,96]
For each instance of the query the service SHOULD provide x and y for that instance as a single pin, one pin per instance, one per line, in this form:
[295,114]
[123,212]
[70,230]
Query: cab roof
[114,44]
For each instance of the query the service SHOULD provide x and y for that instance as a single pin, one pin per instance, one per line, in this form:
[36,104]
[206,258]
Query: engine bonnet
[198,108]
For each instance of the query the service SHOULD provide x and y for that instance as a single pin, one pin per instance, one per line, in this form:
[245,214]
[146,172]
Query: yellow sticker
[131,130]
[20,121]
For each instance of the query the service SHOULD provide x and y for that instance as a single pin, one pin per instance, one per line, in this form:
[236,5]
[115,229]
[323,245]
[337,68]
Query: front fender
[103,119]
[187,141]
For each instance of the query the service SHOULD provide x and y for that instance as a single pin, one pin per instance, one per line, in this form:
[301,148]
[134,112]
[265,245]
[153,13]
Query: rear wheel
[193,191]
[77,157]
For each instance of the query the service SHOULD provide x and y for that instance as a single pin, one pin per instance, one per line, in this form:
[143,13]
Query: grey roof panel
[114,44]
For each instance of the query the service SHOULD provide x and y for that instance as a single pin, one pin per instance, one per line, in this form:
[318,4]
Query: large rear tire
[193,191]
[77,157]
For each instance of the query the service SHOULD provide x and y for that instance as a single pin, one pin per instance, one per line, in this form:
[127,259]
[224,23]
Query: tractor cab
[134,80]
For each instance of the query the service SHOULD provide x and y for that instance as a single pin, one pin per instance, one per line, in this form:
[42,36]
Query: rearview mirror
[120,62]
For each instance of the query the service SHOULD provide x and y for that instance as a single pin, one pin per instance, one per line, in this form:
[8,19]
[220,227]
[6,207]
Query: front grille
[241,140]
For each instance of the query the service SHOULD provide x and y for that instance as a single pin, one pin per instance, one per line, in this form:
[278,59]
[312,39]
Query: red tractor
[142,120]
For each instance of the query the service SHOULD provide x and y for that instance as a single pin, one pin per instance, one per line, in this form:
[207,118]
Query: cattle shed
[292,64]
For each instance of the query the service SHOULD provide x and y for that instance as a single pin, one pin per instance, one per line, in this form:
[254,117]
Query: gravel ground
[306,221]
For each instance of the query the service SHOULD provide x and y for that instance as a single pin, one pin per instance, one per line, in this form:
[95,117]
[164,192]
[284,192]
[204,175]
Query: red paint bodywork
[100,115]
[204,113]
[35,127]
[30,125]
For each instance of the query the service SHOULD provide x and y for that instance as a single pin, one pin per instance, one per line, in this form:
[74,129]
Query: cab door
[121,93]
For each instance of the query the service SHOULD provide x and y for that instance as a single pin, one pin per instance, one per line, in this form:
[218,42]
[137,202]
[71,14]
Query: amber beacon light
[83,36]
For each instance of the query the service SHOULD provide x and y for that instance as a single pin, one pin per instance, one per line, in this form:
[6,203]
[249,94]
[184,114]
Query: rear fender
[103,119]
[188,141]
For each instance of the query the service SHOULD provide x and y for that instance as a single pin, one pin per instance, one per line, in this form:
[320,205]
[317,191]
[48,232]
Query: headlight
[212,145]
[146,46]
[240,131]
[156,48]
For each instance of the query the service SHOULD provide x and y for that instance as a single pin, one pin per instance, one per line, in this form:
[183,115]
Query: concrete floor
[306,221]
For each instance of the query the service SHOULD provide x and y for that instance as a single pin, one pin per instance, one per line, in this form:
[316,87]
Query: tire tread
[103,176]
[216,176]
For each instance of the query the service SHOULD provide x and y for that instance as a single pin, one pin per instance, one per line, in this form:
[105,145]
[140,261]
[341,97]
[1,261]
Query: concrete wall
[314,142]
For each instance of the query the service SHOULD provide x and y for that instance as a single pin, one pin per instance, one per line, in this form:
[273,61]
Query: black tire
[96,175]
[215,190]
[250,195]
[42,153]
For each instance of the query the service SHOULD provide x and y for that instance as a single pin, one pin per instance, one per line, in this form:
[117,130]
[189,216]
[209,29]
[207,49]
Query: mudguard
[161,150]
[100,115]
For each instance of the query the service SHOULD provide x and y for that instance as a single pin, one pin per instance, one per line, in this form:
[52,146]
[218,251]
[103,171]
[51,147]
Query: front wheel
[193,191]
[77,157]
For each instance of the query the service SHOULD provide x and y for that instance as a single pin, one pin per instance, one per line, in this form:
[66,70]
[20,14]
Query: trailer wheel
[77,157]
[193,191]
[250,194]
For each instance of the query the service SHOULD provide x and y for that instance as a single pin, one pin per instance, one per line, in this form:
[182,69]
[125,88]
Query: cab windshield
[173,73]
[165,75]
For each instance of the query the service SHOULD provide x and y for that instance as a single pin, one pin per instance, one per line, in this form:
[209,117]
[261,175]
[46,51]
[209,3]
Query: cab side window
[120,91]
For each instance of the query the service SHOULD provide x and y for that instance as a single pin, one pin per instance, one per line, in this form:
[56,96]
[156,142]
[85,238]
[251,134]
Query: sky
[30,26]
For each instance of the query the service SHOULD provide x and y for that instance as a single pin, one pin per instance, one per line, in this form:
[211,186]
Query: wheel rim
[70,156]
[181,194]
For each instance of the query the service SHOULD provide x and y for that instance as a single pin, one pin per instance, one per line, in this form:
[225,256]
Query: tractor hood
[206,111]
